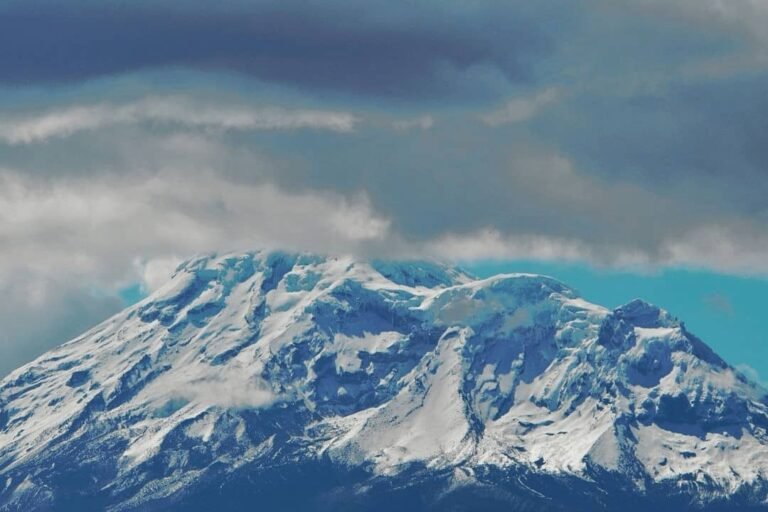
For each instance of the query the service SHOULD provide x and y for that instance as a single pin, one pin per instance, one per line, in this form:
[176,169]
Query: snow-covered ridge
[243,360]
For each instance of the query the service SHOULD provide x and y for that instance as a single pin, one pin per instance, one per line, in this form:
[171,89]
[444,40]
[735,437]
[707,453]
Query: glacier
[278,381]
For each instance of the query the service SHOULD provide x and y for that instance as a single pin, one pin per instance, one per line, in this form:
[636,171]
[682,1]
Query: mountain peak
[248,362]
[644,314]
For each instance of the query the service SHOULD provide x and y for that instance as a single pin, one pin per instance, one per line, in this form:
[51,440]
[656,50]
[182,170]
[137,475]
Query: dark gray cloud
[391,49]
[707,138]
[462,179]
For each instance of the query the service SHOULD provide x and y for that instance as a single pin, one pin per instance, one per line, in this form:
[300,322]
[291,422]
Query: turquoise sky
[727,312]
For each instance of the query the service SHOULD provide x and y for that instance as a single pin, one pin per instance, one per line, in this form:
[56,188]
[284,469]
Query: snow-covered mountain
[277,381]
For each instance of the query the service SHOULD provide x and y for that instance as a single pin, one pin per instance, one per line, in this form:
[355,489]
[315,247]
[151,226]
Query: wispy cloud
[424,122]
[155,272]
[235,389]
[752,374]
[719,303]
[518,110]
[174,110]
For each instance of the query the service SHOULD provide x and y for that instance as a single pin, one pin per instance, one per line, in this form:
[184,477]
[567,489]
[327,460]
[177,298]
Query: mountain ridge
[512,389]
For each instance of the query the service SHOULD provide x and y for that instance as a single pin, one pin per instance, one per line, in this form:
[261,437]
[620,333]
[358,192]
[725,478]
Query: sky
[619,146]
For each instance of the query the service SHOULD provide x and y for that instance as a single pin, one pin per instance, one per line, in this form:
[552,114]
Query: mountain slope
[250,377]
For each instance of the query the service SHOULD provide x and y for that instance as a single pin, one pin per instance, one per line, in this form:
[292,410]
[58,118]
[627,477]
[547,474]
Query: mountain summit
[277,381]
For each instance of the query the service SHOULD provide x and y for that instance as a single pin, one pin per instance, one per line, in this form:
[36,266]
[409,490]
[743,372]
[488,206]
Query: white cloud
[171,110]
[734,247]
[492,244]
[157,271]
[236,388]
[100,228]
[424,122]
[752,374]
[520,109]
[715,248]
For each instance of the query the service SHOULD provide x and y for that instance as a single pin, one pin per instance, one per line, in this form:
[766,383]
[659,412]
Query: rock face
[276,381]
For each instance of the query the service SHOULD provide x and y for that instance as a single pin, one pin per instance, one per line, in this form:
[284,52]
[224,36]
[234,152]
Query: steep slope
[250,377]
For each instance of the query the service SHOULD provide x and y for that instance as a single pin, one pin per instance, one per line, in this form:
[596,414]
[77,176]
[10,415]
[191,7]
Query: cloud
[178,110]
[384,49]
[156,272]
[237,388]
[752,374]
[424,122]
[737,247]
[459,184]
[518,110]
[100,227]
[491,244]
[719,303]
[449,192]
